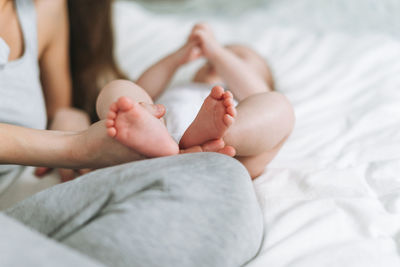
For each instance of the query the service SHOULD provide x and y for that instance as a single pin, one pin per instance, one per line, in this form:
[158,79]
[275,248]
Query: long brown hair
[91,51]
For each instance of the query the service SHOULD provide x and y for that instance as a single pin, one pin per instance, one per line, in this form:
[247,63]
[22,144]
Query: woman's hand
[67,119]
[65,174]
[217,145]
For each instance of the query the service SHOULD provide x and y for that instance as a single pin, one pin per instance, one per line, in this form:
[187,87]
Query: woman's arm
[24,146]
[53,42]
[67,119]
[91,148]
[53,38]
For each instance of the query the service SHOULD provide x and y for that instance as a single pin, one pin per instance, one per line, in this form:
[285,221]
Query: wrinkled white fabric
[332,195]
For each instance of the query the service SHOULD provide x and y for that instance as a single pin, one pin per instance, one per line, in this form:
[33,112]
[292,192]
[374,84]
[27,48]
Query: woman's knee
[221,191]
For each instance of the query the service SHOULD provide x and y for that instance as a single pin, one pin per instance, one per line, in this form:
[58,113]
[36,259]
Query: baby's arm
[155,79]
[241,80]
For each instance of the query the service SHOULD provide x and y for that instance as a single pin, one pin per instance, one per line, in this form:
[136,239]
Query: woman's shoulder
[50,8]
[51,18]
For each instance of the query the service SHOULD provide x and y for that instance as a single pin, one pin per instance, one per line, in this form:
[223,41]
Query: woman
[32,51]
[200,206]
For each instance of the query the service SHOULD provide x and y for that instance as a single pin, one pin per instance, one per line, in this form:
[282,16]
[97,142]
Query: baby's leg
[213,120]
[257,128]
[135,125]
[263,123]
[116,89]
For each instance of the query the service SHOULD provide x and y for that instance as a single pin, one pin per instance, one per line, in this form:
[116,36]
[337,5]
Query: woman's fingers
[193,149]
[217,145]
[41,171]
[228,150]
[67,174]
[84,171]
[213,145]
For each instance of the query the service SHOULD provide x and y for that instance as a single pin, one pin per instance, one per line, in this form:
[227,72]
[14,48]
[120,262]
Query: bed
[332,195]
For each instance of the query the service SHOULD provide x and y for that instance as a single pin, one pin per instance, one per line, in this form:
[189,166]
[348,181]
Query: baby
[254,130]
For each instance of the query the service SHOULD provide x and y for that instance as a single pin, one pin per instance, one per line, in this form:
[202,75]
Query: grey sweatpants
[187,210]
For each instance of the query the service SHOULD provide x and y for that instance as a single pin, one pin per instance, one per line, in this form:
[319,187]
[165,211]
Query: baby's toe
[112,132]
[217,92]
[228,120]
[228,102]
[111,115]
[110,123]
[114,107]
[231,110]
[124,103]
[228,95]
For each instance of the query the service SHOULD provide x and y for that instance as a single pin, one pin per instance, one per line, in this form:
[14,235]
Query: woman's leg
[187,210]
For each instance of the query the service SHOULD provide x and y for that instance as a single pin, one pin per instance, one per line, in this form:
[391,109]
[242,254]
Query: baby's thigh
[256,164]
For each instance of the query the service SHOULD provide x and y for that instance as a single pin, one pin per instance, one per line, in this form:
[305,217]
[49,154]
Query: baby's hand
[204,37]
[188,52]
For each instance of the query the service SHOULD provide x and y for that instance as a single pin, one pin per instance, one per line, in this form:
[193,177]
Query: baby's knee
[65,114]
[120,87]
[287,110]
[113,88]
[116,89]
[129,89]
[120,83]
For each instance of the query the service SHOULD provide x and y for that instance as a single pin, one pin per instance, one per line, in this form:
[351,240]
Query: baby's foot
[138,127]
[213,120]
[157,110]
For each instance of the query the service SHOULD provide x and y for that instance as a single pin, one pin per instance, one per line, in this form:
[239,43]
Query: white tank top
[21,97]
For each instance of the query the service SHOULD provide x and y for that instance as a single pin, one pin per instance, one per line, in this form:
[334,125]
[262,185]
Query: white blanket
[332,195]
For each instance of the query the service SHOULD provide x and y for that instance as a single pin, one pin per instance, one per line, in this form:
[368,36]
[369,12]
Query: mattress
[332,195]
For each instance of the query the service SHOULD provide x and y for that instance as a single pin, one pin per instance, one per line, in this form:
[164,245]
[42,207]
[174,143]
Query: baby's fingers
[198,36]
[195,53]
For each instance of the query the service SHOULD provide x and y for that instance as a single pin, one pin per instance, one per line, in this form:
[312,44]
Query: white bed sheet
[332,195]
